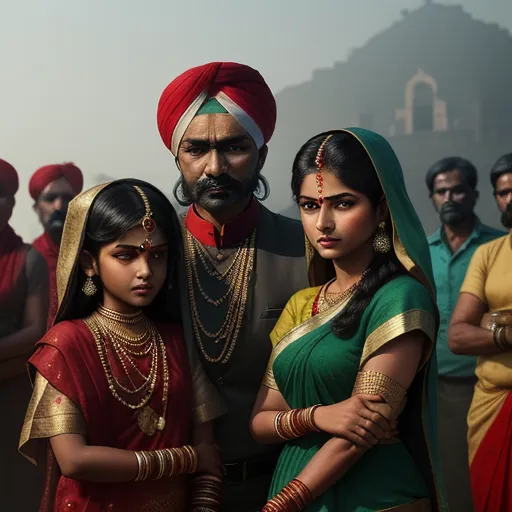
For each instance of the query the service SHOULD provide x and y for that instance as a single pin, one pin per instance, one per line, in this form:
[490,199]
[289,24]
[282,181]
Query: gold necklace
[123,318]
[128,346]
[125,333]
[236,277]
[325,302]
[211,267]
[206,297]
[102,339]
[105,338]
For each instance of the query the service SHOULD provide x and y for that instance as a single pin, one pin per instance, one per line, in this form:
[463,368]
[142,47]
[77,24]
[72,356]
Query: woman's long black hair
[348,160]
[117,209]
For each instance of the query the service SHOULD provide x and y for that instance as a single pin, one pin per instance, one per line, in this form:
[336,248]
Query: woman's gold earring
[89,288]
[381,240]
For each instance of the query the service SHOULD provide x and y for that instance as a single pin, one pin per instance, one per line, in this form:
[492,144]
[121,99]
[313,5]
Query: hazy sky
[80,80]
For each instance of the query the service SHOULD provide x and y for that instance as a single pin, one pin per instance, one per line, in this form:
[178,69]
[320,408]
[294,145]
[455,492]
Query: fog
[80,81]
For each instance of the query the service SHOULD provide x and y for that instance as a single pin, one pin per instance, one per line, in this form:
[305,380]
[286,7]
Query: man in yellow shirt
[487,288]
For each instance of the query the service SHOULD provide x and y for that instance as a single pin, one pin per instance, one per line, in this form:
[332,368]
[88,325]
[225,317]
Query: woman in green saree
[354,353]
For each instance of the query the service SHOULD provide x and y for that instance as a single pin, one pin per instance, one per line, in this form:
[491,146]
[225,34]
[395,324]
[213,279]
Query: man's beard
[218,194]
[55,223]
[506,216]
[452,213]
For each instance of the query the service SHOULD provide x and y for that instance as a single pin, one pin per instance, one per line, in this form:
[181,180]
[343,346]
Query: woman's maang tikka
[148,224]
[319,163]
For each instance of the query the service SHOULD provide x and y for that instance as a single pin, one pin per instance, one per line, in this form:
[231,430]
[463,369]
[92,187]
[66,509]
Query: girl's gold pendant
[148,421]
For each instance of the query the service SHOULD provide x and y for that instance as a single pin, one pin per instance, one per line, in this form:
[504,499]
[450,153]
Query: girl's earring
[89,289]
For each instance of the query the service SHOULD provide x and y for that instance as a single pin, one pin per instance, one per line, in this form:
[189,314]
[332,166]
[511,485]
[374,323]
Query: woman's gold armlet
[370,382]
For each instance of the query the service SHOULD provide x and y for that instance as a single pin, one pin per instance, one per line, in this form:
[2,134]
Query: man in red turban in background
[217,119]
[52,187]
[23,314]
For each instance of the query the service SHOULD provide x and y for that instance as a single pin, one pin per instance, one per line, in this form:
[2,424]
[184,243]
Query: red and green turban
[239,90]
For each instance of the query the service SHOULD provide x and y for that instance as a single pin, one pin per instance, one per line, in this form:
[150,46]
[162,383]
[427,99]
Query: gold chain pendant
[148,420]
[106,341]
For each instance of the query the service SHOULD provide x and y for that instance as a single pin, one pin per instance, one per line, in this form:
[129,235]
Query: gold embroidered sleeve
[268,378]
[408,321]
[49,414]
[370,382]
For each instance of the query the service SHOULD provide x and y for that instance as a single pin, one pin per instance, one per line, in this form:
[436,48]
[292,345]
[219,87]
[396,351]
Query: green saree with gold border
[310,365]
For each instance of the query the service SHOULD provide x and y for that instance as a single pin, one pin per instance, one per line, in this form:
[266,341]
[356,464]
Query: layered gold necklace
[236,278]
[329,300]
[118,345]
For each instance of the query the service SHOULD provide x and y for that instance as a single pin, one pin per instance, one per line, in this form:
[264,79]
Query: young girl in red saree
[126,419]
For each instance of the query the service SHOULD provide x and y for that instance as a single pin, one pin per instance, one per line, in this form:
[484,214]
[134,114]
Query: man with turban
[243,262]
[23,313]
[452,185]
[52,187]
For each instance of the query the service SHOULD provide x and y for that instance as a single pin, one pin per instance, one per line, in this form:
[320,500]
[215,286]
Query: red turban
[241,90]
[45,175]
[9,181]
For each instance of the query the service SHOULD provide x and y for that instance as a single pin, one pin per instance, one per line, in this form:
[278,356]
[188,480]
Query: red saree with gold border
[491,475]
[68,360]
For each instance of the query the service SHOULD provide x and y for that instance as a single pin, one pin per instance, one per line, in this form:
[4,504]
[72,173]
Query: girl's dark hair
[117,209]
[344,156]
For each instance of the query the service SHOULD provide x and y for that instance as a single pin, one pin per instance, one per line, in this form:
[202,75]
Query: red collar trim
[231,234]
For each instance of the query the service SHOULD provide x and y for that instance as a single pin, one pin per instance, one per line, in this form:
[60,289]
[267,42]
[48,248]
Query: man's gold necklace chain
[236,278]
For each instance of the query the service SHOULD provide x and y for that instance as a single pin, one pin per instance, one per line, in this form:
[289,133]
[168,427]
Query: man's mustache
[224,181]
[57,218]
[451,206]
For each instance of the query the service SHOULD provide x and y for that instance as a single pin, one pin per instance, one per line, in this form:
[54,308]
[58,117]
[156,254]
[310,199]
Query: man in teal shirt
[452,184]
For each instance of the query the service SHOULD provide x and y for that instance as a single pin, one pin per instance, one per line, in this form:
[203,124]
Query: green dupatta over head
[409,239]
[411,247]
[418,422]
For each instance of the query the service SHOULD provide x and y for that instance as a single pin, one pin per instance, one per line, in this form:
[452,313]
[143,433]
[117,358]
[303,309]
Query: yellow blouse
[298,309]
